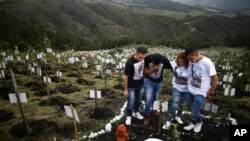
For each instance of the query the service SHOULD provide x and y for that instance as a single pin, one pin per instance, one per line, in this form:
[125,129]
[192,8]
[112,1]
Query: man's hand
[209,97]
[210,94]
[125,93]
[154,68]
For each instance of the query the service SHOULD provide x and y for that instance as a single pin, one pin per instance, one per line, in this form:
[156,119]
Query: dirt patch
[85,82]
[35,85]
[5,116]
[39,126]
[43,92]
[56,79]
[73,75]
[18,130]
[66,88]
[57,101]
[101,113]
[65,130]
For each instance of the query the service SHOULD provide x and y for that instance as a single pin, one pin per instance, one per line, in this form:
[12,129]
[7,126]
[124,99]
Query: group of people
[194,79]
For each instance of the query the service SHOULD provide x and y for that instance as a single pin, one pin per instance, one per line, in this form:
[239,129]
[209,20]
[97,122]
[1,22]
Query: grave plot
[66,88]
[85,82]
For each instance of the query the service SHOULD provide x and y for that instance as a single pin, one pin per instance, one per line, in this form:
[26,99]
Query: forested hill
[85,24]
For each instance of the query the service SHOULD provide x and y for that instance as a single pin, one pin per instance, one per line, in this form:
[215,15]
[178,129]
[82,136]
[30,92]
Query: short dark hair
[190,51]
[142,50]
[157,58]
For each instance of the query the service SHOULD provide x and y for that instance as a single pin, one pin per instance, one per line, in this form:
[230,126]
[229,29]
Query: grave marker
[22,96]
[71,112]
[19,100]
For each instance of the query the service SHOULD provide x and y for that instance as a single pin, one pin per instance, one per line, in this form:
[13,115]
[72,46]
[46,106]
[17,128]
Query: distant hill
[219,4]
[88,24]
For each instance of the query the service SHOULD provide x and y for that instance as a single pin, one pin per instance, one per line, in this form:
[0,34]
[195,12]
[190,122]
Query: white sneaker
[197,127]
[167,125]
[178,119]
[189,127]
[137,115]
[128,120]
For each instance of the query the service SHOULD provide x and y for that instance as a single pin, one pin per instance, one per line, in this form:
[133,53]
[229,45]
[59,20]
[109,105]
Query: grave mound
[35,85]
[56,79]
[39,126]
[73,75]
[19,130]
[58,101]
[66,88]
[101,113]
[43,92]
[85,82]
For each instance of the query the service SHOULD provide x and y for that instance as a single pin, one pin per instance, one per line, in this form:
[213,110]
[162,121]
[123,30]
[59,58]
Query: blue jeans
[152,91]
[197,102]
[179,99]
[134,100]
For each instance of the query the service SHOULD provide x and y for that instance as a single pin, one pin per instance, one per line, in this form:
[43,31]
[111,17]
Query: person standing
[133,84]
[153,71]
[201,84]
[180,92]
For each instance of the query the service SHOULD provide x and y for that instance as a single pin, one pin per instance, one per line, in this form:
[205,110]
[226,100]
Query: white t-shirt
[200,77]
[180,78]
[138,70]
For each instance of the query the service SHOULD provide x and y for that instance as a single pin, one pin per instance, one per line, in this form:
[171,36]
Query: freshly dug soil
[66,88]
[85,82]
[101,113]
[57,101]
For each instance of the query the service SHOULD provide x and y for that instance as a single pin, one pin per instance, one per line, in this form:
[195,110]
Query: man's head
[140,53]
[192,54]
[157,59]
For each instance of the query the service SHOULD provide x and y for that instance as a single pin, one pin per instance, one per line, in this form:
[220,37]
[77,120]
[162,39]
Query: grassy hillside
[90,25]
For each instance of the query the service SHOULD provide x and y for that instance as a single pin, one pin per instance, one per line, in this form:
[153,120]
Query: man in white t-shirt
[201,84]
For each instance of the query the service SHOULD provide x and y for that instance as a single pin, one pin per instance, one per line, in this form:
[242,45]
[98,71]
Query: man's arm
[125,84]
[148,70]
[214,80]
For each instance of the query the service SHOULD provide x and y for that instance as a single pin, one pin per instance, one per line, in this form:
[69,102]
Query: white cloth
[180,77]
[138,70]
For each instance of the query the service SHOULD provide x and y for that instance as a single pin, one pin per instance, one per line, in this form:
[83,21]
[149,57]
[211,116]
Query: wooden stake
[47,84]
[74,122]
[19,101]
[95,98]
[159,128]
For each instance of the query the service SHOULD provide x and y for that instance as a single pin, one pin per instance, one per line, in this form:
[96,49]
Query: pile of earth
[57,101]
[66,88]
[85,82]
[101,113]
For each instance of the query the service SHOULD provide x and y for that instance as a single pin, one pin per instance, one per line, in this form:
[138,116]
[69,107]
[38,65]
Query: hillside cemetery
[78,95]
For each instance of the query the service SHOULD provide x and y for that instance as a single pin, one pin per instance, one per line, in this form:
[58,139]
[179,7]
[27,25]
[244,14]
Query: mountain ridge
[91,25]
